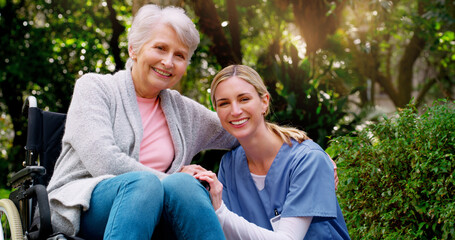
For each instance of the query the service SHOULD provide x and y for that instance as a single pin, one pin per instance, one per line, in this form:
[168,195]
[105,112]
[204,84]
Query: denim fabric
[137,205]
[188,209]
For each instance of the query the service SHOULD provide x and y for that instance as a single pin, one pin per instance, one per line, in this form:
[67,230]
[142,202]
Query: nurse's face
[160,63]
[239,108]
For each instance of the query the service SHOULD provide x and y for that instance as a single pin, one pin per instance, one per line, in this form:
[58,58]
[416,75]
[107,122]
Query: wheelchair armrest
[26,174]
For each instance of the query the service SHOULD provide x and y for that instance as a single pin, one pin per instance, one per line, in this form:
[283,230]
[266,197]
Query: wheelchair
[44,136]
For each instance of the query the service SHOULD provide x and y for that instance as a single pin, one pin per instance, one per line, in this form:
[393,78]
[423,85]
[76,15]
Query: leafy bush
[397,177]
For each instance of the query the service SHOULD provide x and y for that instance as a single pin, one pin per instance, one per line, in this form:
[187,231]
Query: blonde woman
[278,184]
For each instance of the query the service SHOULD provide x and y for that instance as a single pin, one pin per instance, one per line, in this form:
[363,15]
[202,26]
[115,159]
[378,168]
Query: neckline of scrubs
[277,156]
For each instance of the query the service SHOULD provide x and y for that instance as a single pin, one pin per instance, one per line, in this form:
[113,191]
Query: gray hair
[150,16]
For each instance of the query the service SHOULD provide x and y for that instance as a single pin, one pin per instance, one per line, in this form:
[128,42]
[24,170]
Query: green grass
[4,193]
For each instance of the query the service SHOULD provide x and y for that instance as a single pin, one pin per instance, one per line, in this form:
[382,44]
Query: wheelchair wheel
[11,222]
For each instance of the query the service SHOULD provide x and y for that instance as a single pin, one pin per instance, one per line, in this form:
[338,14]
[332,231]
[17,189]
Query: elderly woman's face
[161,62]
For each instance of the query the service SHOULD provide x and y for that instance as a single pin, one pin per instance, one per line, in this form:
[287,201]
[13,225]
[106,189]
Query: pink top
[157,149]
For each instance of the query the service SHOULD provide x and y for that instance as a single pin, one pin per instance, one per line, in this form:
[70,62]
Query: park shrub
[397,176]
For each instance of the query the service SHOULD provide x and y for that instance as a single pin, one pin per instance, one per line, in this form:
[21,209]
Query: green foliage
[4,193]
[397,177]
[301,98]
[5,140]
[203,67]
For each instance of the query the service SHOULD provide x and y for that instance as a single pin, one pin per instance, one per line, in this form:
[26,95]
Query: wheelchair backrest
[44,140]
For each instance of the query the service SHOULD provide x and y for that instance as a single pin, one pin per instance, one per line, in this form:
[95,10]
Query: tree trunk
[210,25]
[234,29]
[405,68]
[405,74]
[314,22]
[117,30]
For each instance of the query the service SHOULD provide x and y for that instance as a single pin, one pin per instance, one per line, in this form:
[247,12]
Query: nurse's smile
[239,123]
[239,108]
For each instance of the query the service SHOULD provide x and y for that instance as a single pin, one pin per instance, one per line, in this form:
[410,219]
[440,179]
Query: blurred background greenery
[332,66]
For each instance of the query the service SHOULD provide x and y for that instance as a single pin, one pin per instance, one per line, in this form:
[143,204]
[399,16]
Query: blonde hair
[151,15]
[249,75]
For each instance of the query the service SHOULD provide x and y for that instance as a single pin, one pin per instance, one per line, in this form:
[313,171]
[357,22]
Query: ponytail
[286,133]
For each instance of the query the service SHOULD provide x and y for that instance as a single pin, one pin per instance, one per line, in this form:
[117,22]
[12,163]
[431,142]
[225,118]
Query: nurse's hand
[192,169]
[335,174]
[216,187]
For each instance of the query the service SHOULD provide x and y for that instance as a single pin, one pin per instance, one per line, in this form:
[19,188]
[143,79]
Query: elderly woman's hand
[216,187]
[192,169]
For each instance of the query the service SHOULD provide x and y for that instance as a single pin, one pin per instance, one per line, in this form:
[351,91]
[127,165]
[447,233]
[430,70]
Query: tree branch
[368,66]
[424,91]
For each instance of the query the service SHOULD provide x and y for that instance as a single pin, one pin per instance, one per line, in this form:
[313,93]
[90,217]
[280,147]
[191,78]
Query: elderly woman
[128,139]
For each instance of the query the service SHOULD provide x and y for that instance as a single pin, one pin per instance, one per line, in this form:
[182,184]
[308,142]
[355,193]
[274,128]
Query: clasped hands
[216,187]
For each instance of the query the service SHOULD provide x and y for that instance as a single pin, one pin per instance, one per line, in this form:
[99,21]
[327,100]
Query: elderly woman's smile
[162,72]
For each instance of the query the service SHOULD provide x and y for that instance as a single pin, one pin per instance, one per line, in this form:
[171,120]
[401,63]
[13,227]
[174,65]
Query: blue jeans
[137,205]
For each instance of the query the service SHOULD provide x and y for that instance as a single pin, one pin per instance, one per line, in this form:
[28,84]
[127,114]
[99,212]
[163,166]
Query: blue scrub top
[299,183]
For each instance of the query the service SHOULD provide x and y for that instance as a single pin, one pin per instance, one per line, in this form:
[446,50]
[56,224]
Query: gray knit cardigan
[102,138]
